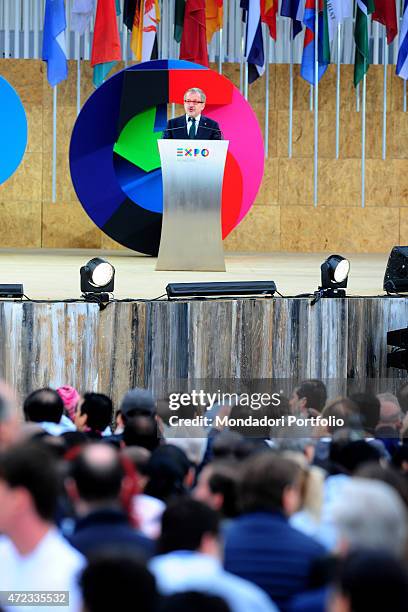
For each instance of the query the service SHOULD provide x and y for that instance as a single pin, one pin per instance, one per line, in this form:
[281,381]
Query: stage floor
[54,274]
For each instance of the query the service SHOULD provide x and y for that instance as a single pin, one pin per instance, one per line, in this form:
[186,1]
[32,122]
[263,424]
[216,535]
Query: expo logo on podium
[190,154]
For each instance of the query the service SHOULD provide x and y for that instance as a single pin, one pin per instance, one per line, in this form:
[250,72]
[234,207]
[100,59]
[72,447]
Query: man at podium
[193,124]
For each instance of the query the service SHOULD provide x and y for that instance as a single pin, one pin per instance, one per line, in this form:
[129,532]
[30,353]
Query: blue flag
[254,51]
[402,62]
[307,69]
[54,51]
[293,9]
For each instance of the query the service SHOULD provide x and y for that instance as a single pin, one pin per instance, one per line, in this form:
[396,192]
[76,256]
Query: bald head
[390,410]
[98,473]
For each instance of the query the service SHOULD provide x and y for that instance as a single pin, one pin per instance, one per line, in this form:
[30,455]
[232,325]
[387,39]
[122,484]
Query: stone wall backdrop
[283,218]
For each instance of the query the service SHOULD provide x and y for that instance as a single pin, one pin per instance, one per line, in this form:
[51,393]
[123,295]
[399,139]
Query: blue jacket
[264,548]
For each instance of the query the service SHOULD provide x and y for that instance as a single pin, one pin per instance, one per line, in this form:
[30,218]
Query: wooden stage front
[147,342]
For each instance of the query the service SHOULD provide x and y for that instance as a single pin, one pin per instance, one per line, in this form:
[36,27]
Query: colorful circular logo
[114,157]
[13,130]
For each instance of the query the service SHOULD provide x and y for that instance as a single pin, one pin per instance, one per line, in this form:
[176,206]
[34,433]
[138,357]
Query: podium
[192,172]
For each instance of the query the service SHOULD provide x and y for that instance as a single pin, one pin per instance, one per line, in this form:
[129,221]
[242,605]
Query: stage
[150,343]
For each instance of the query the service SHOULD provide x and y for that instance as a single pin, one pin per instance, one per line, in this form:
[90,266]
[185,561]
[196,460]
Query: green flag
[362,60]
[326,36]
[179,19]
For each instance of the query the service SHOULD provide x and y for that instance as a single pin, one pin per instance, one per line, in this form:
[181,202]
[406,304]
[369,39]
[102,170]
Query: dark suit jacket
[208,129]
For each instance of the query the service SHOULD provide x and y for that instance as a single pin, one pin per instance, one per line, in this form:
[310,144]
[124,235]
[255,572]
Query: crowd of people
[108,508]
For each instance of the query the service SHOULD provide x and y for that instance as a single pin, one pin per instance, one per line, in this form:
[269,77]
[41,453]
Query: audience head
[70,398]
[368,410]
[310,395]
[94,413]
[187,524]
[141,430]
[29,486]
[388,474]
[168,471]
[402,395]
[339,408]
[269,483]
[137,401]
[370,580]
[390,411]
[351,455]
[190,600]
[43,405]
[117,581]
[370,514]
[217,487]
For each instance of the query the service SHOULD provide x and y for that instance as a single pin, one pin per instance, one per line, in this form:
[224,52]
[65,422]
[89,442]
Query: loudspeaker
[396,273]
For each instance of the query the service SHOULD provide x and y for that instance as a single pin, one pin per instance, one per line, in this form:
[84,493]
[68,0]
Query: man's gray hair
[371,515]
[198,91]
[391,399]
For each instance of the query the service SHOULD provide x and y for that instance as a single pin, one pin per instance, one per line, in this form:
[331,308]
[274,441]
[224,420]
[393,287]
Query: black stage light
[396,273]
[334,276]
[97,279]
[182,290]
[11,291]
[398,358]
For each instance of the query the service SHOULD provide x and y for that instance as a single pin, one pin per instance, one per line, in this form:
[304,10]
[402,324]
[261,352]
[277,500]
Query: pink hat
[70,398]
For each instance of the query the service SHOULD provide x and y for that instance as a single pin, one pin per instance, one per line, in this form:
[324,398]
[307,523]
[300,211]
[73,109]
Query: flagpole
[246,81]
[220,52]
[241,65]
[358,98]
[363,139]
[290,136]
[311,98]
[338,91]
[54,145]
[267,95]
[405,96]
[78,85]
[384,130]
[316,106]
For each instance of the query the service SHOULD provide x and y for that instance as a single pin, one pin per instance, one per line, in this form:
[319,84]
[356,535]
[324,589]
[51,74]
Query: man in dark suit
[193,124]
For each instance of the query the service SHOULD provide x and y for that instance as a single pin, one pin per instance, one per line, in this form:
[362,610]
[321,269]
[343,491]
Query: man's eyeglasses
[193,102]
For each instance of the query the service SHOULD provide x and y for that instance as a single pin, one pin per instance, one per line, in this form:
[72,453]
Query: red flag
[386,13]
[106,42]
[269,8]
[193,46]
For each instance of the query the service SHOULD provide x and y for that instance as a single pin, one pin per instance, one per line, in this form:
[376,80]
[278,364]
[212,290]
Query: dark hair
[314,391]
[33,468]
[190,600]
[374,581]
[352,455]
[43,405]
[97,482]
[368,409]
[224,479]
[113,580]
[141,430]
[98,408]
[167,468]
[263,479]
[184,523]
[340,408]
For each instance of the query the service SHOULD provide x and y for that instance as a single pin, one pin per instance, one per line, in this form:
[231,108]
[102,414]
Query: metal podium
[193,172]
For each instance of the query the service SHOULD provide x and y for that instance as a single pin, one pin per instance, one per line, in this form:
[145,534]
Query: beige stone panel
[231,71]
[303,134]
[401,181]
[26,76]
[66,225]
[20,224]
[35,128]
[380,183]
[403,235]
[109,244]
[339,182]
[398,127]
[65,190]
[260,115]
[301,89]
[65,123]
[25,183]
[268,192]
[396,103]
[258,232]
[295,181]
[256,90]
[351,131]
[375,84]
[343,230]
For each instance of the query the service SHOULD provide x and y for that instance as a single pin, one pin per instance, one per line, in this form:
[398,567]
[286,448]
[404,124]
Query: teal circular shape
[13,130]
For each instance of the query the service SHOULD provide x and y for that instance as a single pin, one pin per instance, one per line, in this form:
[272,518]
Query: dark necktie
[192,132]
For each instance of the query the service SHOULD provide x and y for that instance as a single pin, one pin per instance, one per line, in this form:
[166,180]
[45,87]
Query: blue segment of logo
[13,130]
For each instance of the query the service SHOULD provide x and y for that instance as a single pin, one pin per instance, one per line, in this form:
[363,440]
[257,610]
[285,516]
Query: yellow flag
[136,41]
[213,17]
[144,31]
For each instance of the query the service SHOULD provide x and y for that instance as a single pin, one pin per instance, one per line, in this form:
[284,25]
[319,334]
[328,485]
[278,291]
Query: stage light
[396,273]
[398,358]
[97,277]
[11,291]
[183,290]
[334,277]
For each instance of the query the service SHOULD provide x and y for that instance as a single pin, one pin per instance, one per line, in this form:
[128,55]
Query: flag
[307,69]
[213,17]
[179,19]
[254,51]
[106,42]
[129,8]
[269,8]
[81,14]
[193,46]
[362,59]
[144,32]
[386,13]
[54,50]
[337,12]
[402,61]
[294,9]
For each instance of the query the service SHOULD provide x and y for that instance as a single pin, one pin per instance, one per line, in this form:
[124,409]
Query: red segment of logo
[232,189]
[218,88]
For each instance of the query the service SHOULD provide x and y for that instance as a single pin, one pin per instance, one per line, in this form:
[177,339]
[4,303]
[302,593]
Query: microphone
[212,129]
